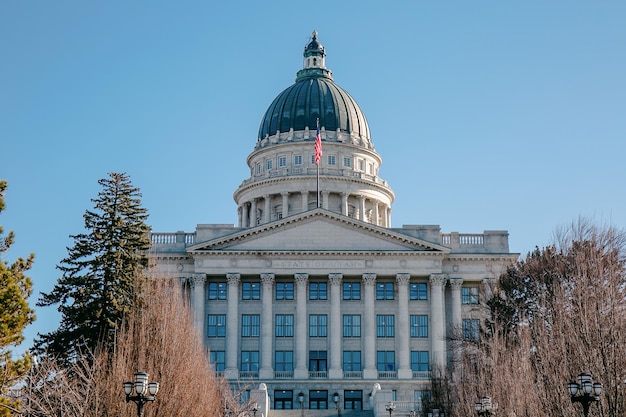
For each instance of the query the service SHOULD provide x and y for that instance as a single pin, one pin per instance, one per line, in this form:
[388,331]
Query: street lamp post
[585,391]
[145,391]
[390,406]
[301,401]
[485,408]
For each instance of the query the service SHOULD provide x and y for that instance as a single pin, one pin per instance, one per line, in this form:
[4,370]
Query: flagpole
[318,156]
[318,186]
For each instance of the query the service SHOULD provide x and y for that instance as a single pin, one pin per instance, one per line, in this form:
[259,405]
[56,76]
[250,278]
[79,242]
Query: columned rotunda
[313,296]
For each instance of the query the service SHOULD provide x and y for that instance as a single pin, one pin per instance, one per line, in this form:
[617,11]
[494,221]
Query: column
[344,204]
[244,215]
[325,195]
[437,330]
[232,326]
[239,213]
[375,212]
[403,330]
[369,324]
[305,200]
[301,371]
[285,204]
[456,322]
[362,208]
[335,322]
[198,281]
[253,221]
[267,211]
[267,284]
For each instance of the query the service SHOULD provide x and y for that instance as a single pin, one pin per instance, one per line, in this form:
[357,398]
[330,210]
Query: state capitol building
[314,297]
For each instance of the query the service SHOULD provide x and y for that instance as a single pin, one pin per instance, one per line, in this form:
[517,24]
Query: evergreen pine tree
[15,314]
[102,274]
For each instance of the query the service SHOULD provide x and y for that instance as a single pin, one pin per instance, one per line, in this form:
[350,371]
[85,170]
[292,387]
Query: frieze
[321,264]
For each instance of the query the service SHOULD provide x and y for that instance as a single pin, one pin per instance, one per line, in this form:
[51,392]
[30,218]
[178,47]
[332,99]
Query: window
[313,159]
[384,291]
[469,295]
[216,325]
[283,399]
[471,329]
[353,400]
[371,168]
[318,325]
[420,397]
[347,162]
[249,361]
[351,325]
[282,161]
[419,326]
[284,290]
[317,360]
[284,325]
[420,362]
[318,291]
[362,165]
[318,399]
[352,361]
[351,290]
[331,159]
[258,168]
[250,325]
[283,360]
[217,290]
[385,360]
[250,291]
[216,357]
[418,291]
[384,325]
[297,160]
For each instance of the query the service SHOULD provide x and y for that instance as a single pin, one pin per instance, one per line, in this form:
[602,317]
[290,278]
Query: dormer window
[314,61]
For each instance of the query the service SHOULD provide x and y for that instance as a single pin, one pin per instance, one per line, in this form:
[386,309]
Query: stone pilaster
[301,370]
[403,329]
[197,301]
[335,371]
[232,326]
[344,204]
[305,200]
[362,208]
[266,371]
[253,213]
[267,211]
[285,196]
[369,323]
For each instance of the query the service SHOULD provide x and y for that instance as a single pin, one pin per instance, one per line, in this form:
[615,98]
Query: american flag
[318,144]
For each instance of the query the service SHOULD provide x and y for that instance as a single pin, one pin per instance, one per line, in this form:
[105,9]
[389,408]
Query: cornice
[254,252]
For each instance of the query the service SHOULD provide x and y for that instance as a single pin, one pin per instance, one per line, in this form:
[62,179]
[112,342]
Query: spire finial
[315,34]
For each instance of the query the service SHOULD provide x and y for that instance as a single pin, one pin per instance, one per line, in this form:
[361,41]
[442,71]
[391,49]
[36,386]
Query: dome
[314,95]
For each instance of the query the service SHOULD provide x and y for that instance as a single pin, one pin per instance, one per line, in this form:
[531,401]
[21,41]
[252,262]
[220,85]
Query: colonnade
[259,210]
[437,327]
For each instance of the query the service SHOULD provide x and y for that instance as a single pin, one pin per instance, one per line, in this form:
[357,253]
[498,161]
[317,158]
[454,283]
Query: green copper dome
[315,95]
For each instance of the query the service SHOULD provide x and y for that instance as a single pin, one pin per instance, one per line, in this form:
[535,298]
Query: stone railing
[172,240]
[353,374]
[331,172]
[387,374]
[491,241]
[283,374]
[318,375]
[248,375]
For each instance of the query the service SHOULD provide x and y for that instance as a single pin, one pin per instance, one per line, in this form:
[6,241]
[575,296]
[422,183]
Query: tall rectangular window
[351,290]
[250,325]
[352,360]
[347,162]
[284,290]
[249,361]
[269,164]
[471,329]
[351,325]
[385,360]
[217,359]
[418,291]
[318,360]
[217,290]
[331,159]
[283,360]
[318,291]
[318,325]
[258,168]
[297,160]
[384,291]
[385,325]
[250,291]
[282,161]
[419,325]
[284,325]
[419,361]
[216,325]
[469,295]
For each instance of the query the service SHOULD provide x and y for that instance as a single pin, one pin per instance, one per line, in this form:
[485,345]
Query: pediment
[317,230]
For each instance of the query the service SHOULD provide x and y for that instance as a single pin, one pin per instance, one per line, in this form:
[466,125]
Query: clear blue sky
[488,114]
